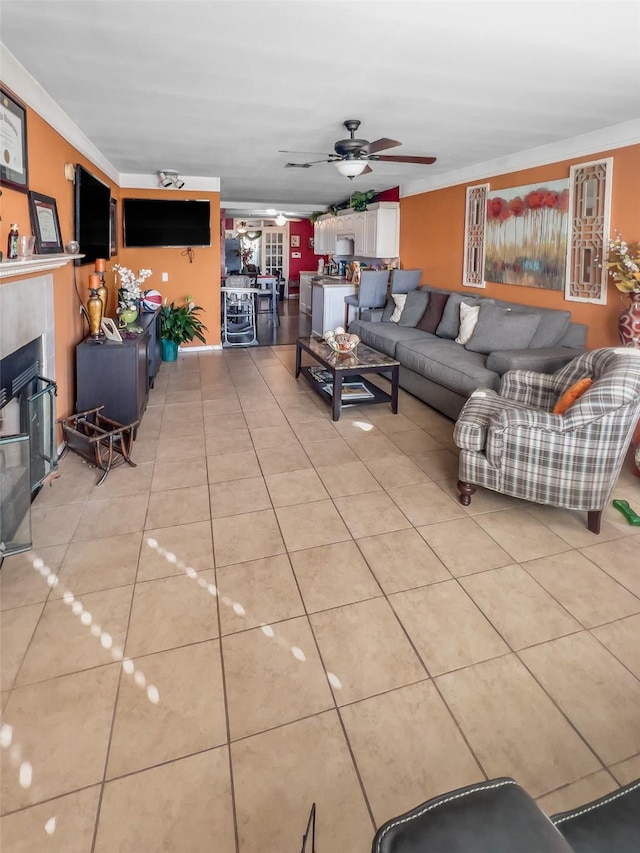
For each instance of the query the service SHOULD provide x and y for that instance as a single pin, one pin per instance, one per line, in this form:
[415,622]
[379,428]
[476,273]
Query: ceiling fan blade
[404,159]
[366,169]
[323,153]
[382,144]
[305,165]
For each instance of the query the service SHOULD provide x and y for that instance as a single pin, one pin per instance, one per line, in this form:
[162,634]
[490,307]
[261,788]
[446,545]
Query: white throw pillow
[468,321]
[399,299]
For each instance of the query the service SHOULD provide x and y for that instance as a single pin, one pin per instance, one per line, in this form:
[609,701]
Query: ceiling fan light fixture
[281,220]
[241,228]
[350,168]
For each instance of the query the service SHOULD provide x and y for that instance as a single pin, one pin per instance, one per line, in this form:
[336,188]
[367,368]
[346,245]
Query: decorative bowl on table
[341,342]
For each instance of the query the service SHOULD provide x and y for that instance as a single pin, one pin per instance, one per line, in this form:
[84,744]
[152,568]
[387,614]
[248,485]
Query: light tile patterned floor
[273,609]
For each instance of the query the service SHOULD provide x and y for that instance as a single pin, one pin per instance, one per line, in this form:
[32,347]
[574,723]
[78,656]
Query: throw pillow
[502,329]
[468,320]
[432,316]
[450,323]
[414,307]
[389,308]
[571,395]
[399,299]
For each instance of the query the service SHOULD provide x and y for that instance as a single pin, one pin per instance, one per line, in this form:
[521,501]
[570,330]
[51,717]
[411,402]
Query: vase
[169,350]
[629,322]
[128,315]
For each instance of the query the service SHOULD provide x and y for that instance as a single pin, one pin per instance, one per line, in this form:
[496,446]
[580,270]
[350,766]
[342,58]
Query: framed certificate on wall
[13,143]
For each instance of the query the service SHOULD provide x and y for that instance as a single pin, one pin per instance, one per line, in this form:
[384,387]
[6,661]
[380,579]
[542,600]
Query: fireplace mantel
[35,265]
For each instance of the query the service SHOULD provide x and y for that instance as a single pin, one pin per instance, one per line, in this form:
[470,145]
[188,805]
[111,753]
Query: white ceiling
[216,88]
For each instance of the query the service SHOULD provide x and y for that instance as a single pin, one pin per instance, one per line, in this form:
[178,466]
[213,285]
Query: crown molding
[150,182]
[587,144]
[16,77]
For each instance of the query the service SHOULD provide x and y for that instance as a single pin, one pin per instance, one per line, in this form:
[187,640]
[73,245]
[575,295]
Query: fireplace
[28,453]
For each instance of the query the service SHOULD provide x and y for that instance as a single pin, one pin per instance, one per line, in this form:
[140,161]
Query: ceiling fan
[352,156]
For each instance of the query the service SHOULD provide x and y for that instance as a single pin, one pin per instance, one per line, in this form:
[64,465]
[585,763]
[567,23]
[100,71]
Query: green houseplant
[359,201]
[178,325]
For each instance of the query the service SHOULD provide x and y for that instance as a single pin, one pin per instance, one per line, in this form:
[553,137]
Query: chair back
[253,271]
[237,281]
[403,281]
[614,396]
[372,292]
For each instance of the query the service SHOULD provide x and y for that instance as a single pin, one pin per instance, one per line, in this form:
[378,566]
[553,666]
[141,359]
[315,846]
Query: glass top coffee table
[338,377]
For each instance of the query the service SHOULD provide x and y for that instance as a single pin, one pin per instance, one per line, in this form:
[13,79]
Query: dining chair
[371,293]
[270,293]
[403,281]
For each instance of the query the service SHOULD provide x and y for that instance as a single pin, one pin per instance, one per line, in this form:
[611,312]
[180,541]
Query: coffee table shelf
[348,368]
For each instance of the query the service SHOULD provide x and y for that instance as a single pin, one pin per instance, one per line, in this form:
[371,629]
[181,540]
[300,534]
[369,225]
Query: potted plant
[179,325]
[359,201]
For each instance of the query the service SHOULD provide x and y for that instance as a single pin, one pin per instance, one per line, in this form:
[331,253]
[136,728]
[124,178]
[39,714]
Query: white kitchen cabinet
[382,230]
[345,225]
[305,292]
[376,232]
[328,305]
[359,233]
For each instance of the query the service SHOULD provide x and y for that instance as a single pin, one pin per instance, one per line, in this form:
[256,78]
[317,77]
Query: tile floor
[273,610]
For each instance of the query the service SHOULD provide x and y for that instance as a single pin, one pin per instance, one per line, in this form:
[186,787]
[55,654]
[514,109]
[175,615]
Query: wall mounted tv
[166,223]
[92,216]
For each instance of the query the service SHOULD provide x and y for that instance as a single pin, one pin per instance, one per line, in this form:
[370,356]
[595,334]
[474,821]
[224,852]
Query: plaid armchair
[511,442]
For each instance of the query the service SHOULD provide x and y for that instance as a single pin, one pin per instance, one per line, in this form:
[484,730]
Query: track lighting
[169,178]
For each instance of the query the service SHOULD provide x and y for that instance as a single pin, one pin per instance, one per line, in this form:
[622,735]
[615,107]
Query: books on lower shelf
[320,374]
[351,391]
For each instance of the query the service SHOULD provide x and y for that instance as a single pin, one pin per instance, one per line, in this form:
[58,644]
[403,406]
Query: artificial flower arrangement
[130,290]
[623,263]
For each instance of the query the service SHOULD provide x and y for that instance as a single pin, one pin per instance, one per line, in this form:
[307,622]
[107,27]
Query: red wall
[307,260]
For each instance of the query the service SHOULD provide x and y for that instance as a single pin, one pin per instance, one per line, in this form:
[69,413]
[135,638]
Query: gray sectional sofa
[443,373]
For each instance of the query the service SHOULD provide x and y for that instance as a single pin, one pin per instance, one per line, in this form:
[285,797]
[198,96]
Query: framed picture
[311,242]
[45,224]
[113,226]
[296,255]
[13,143]
[295,241]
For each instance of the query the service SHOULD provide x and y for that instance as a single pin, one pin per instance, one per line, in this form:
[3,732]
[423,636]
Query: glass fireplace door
[15,495]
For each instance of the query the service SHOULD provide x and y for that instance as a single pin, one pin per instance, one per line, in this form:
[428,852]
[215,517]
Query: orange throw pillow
[571,395]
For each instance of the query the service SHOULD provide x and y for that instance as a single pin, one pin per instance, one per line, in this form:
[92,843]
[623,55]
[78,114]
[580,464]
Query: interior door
[274,251]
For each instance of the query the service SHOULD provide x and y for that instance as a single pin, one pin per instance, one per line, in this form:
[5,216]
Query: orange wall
[47,154]
[432,237]
[200,280]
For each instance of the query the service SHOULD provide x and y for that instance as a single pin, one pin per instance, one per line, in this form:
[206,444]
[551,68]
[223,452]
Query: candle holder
[94,310]
[96,280]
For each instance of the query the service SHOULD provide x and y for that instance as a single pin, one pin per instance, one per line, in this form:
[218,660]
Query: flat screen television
[92,216]
[171,223]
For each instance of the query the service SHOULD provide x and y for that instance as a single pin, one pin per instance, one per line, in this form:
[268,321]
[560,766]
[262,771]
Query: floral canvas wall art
[526,235]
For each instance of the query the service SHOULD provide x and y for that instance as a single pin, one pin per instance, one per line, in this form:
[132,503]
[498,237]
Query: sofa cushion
[383,336]
[468,322]
[447,363]
[450,323]
[432,316]
[553,324]
[501,328]
[414,308]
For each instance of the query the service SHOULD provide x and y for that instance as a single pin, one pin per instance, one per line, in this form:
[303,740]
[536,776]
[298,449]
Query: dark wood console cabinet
[118,376]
